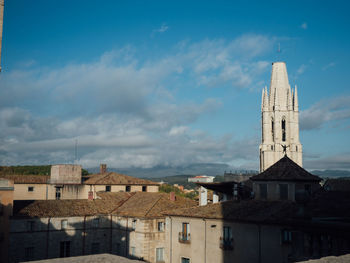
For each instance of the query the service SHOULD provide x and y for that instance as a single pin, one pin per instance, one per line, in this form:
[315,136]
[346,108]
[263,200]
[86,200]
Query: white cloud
[163,28]
[301,69]
[304,25]
[124,111]
[325,111]
[338,161]
[329,65]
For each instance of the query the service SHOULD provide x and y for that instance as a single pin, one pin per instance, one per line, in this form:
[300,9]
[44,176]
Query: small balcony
[184,237]
[226,243]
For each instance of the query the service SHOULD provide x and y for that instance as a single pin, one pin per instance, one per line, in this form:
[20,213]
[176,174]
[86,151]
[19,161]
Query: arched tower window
[283,130]
[273,130]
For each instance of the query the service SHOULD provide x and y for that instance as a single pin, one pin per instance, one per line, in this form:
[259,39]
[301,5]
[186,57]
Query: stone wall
[65,174]
[110,234]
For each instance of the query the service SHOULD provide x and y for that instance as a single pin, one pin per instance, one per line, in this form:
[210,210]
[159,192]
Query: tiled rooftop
[58,208]
[137,204]
[252,211]
[144,204]
[27,179]
[324,205]
[112,178]
[99,258]
[285,170]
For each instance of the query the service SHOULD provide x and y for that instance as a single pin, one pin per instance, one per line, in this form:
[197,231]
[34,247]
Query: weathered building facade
[125,224]
[66,182]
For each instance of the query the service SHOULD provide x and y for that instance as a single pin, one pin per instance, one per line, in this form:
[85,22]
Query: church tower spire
[280,120]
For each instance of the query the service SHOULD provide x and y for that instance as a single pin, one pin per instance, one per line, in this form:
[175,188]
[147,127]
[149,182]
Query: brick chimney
[103,168]
[172,196]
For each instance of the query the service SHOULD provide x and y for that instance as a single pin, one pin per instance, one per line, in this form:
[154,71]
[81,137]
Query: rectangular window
[226,241]
[29,253]
[64,224]
[160,254]
[127,188]
[64,249]
[30,226]
[144,188]
[96,223]
[227,233]
[58,193]
[30,188]
[133,225]
[286,236]
[283,191]
[108,188]
[263,191]
[185,260]
[160,226]
[185,235]
[95,248]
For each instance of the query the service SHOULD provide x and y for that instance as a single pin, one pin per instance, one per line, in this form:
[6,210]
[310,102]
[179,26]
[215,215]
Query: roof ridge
[160,197]
[123,202]
[104,176]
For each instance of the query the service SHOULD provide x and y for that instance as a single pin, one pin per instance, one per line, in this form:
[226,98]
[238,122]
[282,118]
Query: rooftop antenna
[76,151]
[278,51]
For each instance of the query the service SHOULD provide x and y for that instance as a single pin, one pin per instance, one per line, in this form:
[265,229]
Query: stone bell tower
[279,120]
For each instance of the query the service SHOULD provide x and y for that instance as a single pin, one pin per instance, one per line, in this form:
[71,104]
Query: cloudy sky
[147,83]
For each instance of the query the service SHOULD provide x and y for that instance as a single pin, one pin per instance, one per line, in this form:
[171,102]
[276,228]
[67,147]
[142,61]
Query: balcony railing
[226,243]
[184,237]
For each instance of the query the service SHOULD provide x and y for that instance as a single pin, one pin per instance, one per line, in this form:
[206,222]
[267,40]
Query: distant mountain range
[211,169]
[331,173]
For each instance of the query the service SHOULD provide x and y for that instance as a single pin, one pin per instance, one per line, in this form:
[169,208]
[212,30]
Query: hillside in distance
[332,173]
[211,169]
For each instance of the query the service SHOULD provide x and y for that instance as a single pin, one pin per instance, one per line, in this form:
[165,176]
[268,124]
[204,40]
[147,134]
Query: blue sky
[147,83]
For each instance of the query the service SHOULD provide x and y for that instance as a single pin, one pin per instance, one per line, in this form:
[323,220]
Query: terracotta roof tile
[27,179]
[285,170]
[137,204]
[252,210]
[144,204]
[113,178]
[61,208]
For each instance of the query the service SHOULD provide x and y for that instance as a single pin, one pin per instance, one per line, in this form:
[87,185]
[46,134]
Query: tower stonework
[279,120]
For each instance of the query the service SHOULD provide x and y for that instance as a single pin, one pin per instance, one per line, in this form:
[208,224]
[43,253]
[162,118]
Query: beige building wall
[37,191]
[153,188]
[251,243]
[40,192]
[48,191]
